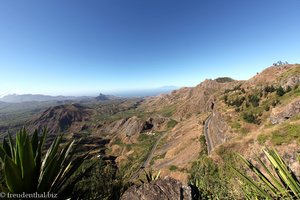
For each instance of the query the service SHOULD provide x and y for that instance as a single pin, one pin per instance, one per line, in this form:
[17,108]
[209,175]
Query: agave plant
[26,170]
[276,182]
[150,176]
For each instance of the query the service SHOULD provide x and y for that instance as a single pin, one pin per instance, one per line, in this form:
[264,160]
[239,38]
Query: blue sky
[76,47]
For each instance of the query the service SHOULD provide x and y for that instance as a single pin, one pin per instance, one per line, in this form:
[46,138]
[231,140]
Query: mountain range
[164,132]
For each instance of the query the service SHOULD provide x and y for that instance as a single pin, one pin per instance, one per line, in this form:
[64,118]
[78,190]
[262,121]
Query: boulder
[166,188]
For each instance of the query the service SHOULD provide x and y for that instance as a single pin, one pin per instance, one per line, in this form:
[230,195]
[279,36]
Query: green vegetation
[140,151]
[209,180]
[252,105]
[280,63]
[171,124]
[26,170]
[224,79]
[173,168]
[291,72]
[274,182]
[150,176]
[168,111]
[103,181]
[262,138]
[251,118]
[280,91]
[162,156]
[286,134]
[254,99]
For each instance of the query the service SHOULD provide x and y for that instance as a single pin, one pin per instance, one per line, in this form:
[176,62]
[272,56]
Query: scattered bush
[224,79]
[102,182]
[173,168]
[262,138]
[208,180]
[254,100]
[251,118]
[280,91]
[275,102]
[280,63]
[267,108]
[172,123]
[269,89]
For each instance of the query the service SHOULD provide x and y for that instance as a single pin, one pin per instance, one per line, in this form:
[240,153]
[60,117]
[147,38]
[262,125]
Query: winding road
[150,155]
[206,134]
[148,159]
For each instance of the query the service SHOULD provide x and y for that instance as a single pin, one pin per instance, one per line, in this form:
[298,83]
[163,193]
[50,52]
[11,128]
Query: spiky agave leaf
[25,171]
[284,185]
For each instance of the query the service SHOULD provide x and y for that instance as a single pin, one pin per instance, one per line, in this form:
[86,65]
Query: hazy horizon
[79,48]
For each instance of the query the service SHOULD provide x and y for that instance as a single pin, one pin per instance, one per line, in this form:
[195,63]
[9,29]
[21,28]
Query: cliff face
[285,112]
[217,129]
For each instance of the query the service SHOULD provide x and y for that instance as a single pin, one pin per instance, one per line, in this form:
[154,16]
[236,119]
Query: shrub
[224,79]
[275,102]
[254,100]
[172,123]
[250,118]
[262,138]
[267,108]
[173,168]
[225,98]
[269,89]
[208,180]
[102,182]
[280,91]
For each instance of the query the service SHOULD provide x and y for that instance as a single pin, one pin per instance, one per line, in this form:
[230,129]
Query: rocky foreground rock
[166,188]
[283,113]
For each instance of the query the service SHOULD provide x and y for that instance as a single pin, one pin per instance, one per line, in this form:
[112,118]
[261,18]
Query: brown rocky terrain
[67,117]
[227,129]
[245,117]
[166,188]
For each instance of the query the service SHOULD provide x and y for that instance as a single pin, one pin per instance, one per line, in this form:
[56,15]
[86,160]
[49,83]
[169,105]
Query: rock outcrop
[134,125]
[166,188]
[217,129]
[282,113]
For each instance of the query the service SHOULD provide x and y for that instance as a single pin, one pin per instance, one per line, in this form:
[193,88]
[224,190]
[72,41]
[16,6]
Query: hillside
[166,132]
[242,120]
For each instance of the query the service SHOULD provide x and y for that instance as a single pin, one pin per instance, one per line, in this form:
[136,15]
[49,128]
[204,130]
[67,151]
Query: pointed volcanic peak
[103,97]
[62,118]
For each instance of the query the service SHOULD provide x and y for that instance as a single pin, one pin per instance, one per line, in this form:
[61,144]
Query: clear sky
[76,47]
